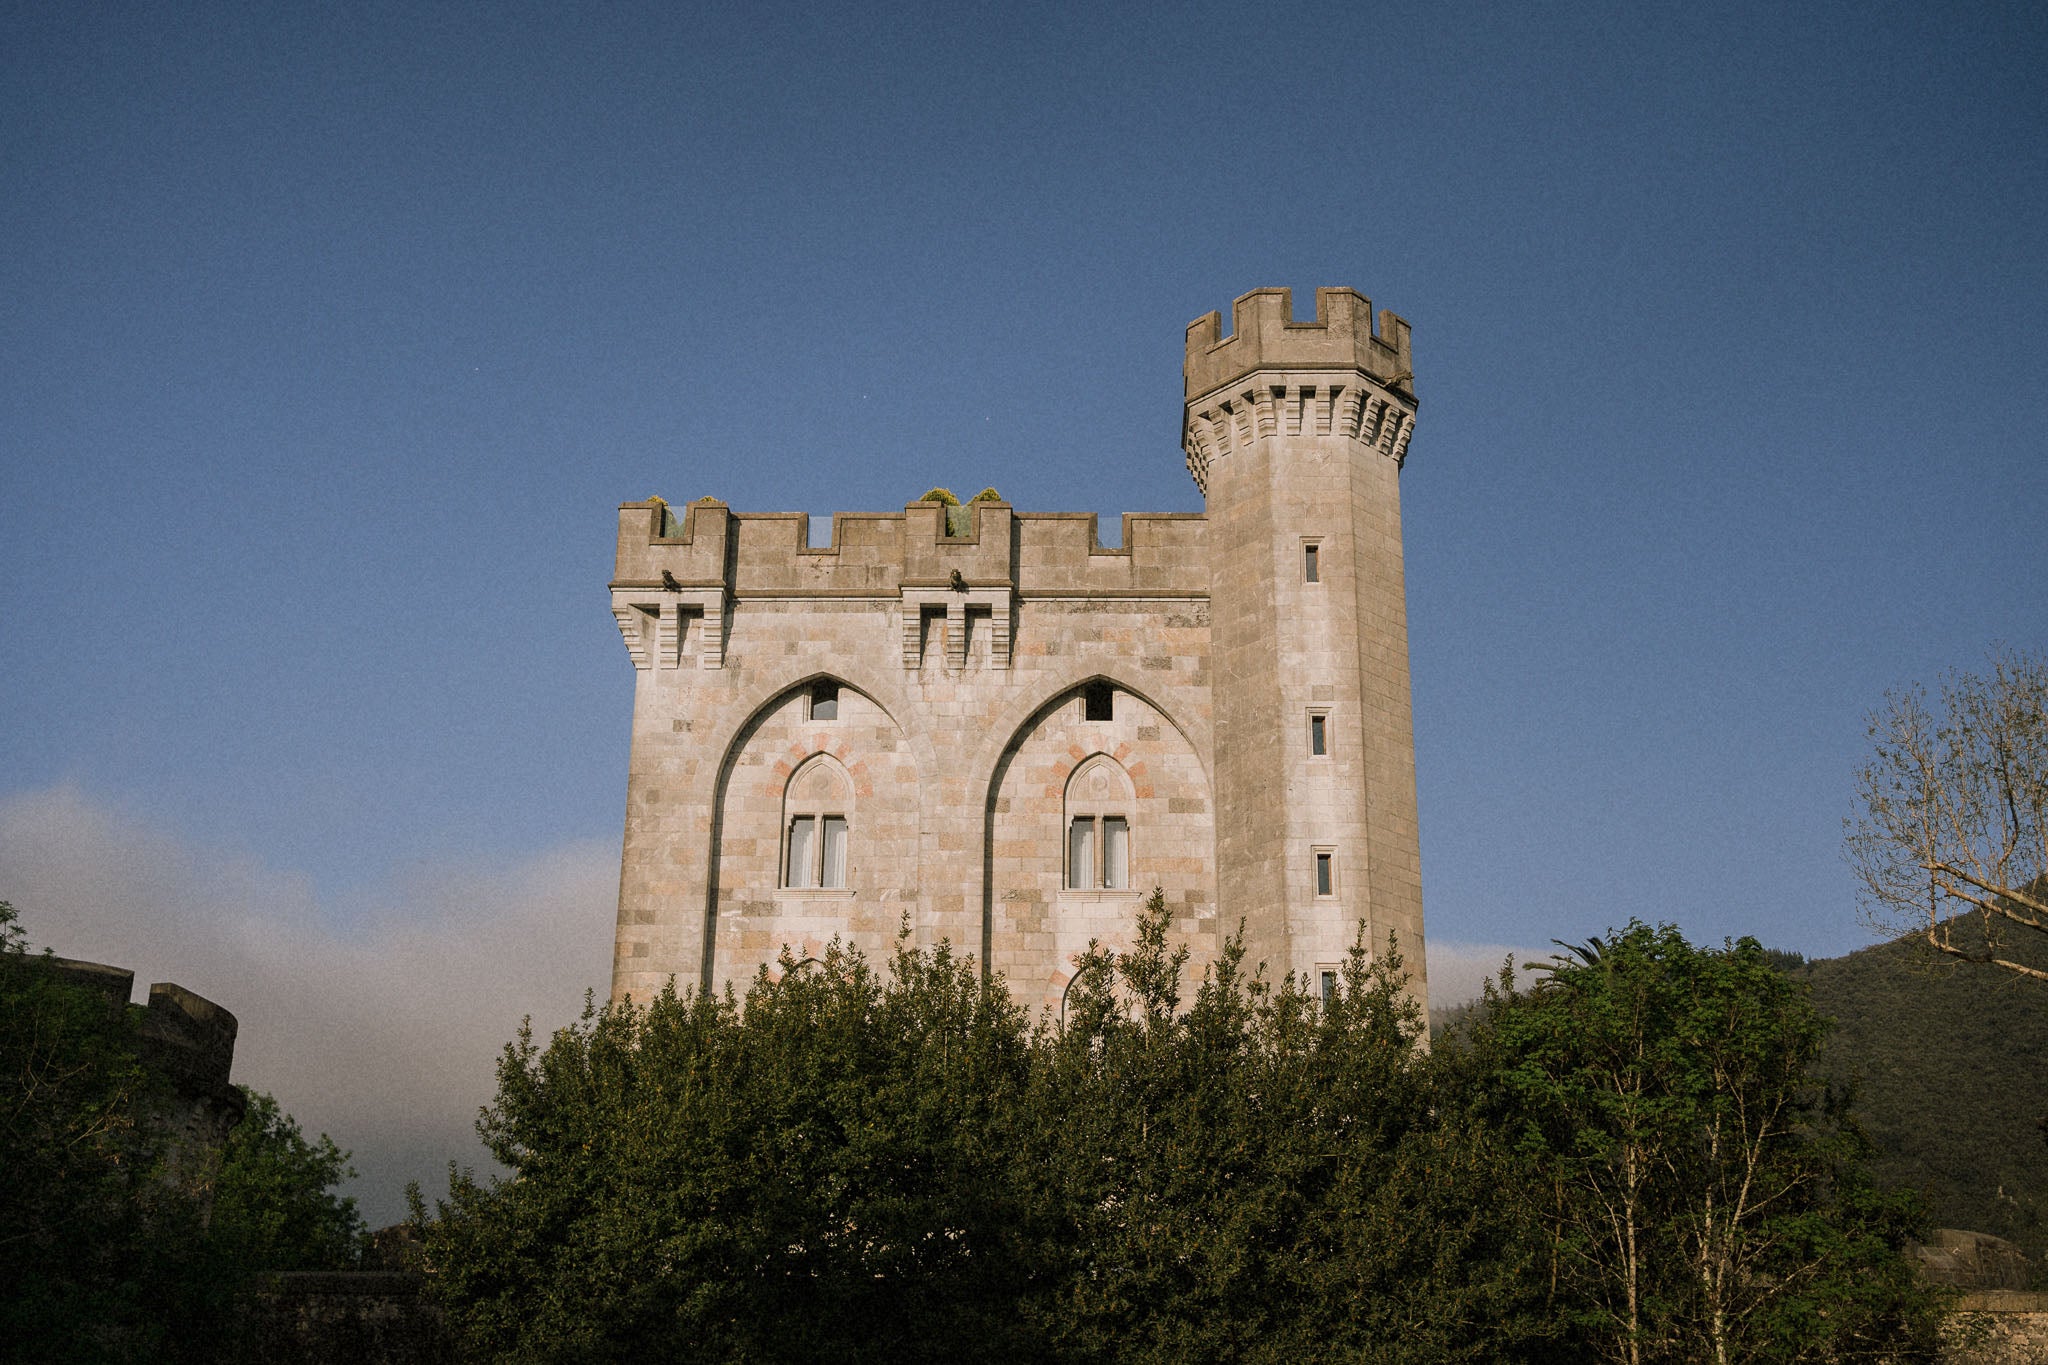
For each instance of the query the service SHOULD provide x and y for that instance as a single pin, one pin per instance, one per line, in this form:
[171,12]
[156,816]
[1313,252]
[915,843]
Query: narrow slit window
[1329,988]
[1116,852]
[1319,735]
[798,872]
[1098,702]
[1311,565]
[1326,874]
[824,701]
[1081,853]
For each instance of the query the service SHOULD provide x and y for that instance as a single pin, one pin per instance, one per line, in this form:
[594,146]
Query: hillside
[1951,1066]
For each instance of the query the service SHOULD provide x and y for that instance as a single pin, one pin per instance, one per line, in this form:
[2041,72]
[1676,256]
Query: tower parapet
[182,1035]
[1274,376]
[1265,336]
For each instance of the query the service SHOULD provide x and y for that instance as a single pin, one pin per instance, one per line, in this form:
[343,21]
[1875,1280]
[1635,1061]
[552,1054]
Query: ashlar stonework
[1007,737]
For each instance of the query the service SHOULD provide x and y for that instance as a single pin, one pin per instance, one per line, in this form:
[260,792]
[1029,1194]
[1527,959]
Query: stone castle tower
[994,726]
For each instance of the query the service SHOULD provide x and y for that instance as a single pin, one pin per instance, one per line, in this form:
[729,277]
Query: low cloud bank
[380,1029]
[1457,971]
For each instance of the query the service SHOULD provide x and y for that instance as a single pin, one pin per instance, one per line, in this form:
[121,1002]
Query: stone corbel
[999,603]
[651,623]
[710,605]
[631,617]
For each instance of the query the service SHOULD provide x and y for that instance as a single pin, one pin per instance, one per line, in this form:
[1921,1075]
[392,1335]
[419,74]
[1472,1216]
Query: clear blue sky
[331,337]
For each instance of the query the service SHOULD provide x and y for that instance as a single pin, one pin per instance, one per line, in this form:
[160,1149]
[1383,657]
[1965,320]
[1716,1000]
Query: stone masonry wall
[943,692]
[1998,1327]
[859,765]
[1147,771]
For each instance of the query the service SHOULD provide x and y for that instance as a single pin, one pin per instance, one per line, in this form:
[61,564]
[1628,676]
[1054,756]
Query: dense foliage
[274,1206]
[852,1164]
[1263,1176]
[95,1243]
[106,1250]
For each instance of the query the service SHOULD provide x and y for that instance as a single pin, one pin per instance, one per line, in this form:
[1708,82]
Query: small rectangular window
[824,701]
[1081,854]
[832,865]
[1097,701]
[1326,874]
[1319,734]
[798,869]
[1116,852]
[1311,569]
[1328,984]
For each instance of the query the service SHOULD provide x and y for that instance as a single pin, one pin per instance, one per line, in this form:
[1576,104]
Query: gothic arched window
[817,812]
[1098,826]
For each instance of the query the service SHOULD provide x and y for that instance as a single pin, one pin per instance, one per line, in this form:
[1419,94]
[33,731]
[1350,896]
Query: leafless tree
[1951,826]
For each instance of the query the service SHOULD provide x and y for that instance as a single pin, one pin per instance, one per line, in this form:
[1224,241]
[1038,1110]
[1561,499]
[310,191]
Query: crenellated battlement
[1265,336]
[713,561]
[882,554]
[183,1035]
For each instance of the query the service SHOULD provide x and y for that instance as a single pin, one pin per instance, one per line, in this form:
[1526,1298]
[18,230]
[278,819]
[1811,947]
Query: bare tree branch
[1951,824]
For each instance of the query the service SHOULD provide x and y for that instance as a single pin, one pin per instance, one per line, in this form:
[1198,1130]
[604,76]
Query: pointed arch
[836,743]
[1025,852]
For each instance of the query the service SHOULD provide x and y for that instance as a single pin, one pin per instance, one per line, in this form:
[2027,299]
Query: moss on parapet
[668,526]
[959,518]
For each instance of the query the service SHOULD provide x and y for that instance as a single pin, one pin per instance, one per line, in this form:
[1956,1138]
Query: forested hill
[1951,1061]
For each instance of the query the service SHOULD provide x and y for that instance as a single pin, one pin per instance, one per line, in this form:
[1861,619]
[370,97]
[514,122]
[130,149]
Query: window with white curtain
[817,852]
[832,843]
[798,871]
[1081,853]
[1116,852]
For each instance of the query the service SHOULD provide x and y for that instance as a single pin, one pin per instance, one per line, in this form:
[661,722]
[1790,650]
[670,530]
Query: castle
[987,722]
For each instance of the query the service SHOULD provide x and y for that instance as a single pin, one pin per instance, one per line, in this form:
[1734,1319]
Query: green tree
[820,1176]
[1951,824]
[274,1205]
[1264,1176]
[1702,1195]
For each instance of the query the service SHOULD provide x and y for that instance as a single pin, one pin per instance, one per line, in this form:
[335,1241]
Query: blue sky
[331,337]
